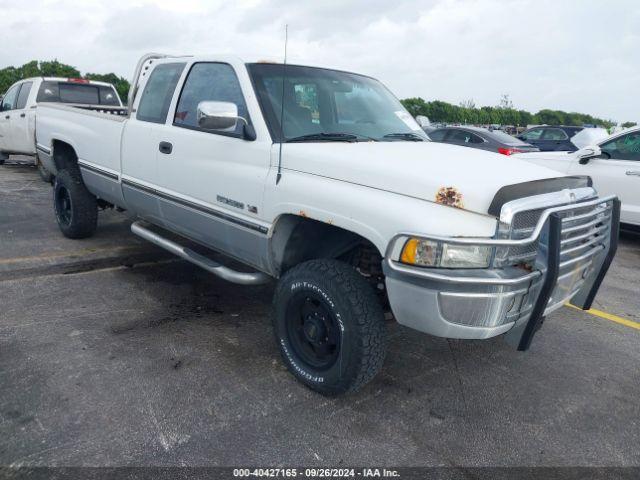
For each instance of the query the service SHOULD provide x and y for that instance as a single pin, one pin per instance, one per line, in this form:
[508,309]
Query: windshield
[329,105]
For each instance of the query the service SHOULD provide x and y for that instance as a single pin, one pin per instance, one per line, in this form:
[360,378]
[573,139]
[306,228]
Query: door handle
[165,147]
[634,173]
[22,115]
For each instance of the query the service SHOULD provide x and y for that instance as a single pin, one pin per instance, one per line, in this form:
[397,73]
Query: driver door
[6,110]
[617,172]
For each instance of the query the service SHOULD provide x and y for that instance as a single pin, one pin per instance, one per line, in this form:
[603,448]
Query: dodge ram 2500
[321,180]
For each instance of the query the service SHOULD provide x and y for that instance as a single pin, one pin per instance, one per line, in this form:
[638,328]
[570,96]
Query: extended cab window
[625,147]
[158,92]
[25,89]
[9,100]
[213,82]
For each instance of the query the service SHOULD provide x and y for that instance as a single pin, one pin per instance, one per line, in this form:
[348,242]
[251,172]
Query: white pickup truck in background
[18,109]
[321,180]
[613,163]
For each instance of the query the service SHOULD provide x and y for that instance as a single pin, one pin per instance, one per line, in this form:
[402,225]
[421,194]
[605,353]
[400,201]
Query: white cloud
[577,55]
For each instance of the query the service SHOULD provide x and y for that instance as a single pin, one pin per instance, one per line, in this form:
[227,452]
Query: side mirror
[218,115]
[223,116]
[587,153]
[423,121]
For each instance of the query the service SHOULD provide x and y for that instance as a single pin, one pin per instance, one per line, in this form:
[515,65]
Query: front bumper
[479,304]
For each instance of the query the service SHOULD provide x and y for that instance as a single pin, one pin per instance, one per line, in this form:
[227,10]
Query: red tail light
[77,80]
[509,151]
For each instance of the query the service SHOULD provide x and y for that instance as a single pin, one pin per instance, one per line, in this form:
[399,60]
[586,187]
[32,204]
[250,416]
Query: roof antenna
[284,75]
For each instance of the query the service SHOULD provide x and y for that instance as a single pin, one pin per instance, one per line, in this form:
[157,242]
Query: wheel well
[64,156]
[297,239]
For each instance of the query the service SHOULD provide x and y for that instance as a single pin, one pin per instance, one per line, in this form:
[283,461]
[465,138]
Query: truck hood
[457,176]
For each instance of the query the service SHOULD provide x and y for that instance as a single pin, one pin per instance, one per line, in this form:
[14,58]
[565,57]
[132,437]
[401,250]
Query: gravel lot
[113,353]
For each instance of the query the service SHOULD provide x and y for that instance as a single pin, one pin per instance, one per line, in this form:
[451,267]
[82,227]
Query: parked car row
[612,162]
[475,137]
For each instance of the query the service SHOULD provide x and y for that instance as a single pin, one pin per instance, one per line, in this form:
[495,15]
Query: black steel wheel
[62,201]
[329,326]
[75,207]
[313,330]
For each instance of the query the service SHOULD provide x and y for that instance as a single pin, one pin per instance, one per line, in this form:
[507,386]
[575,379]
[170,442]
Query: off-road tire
[80,219]
[349,299]
[45,174]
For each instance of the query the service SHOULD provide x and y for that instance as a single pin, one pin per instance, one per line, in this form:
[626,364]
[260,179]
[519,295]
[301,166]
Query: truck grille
[584,229]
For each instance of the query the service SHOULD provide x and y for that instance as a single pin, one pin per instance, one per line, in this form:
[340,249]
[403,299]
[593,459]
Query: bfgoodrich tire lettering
[75,207]
[329,326]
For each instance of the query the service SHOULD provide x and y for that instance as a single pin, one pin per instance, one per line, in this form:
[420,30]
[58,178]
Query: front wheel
[329,326]
[75,207]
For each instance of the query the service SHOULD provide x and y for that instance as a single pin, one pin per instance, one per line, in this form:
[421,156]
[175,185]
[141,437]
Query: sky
[573,55]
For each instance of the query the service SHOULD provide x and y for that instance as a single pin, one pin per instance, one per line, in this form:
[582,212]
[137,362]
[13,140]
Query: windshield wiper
[324,137]
[410,137]
[330,137]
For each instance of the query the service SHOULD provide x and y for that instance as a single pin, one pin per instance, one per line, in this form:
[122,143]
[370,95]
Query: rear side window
[158,92]
[437,135]
[213,82]
[534,134]
[108,96]
[554,134]
[463,136]
[25,89]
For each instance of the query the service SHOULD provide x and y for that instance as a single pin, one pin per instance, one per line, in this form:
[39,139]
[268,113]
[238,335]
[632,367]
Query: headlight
[465,256]
[430,253]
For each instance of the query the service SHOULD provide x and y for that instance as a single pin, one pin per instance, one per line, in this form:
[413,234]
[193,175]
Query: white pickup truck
[345,202]
[18,109]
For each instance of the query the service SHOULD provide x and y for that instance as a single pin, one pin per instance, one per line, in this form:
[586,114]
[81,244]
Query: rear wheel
[329,326]
[75,207]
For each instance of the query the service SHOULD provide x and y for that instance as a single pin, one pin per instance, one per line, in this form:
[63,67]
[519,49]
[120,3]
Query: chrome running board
[254,278]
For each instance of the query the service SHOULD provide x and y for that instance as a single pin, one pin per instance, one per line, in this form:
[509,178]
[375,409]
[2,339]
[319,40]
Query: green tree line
[503,114]
[10,75]
[437,110]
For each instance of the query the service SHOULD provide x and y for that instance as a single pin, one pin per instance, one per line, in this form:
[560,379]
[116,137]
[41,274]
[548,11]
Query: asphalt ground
[113,353]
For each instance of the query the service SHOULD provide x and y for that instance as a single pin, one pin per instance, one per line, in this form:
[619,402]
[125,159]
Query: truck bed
[91,131]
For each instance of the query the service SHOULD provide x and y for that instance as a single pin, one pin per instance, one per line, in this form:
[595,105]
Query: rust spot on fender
[302,213]
[449,196]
